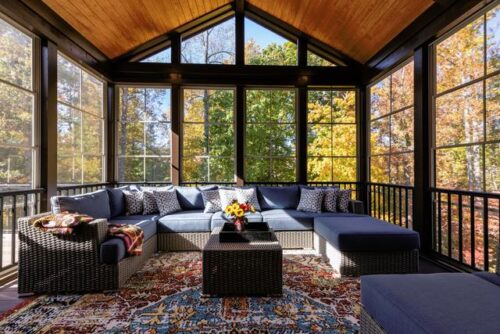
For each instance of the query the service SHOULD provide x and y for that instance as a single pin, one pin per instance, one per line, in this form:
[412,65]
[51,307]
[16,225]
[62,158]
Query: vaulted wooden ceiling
[357,28]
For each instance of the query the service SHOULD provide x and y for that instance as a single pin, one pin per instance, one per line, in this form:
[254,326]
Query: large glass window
[80,125]
[264,47]
[391,128]
[467,106]
[315,60]
[208,135]
[144,134]
[270,135]
[331,136]
[17,105]
[215,45]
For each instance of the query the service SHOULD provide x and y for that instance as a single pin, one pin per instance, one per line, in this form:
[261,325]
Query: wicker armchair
[65,264]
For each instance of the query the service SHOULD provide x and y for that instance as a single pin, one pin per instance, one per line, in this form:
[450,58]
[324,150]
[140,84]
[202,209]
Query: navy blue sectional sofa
[431,303]
[354,243]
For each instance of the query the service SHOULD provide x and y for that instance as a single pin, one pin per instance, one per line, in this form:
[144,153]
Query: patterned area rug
[165,297]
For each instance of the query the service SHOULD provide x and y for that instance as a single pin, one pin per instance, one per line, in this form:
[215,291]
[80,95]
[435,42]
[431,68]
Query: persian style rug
[165,297]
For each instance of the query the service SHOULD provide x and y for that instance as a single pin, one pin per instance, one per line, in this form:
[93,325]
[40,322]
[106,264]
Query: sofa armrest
[95,230]
[356,207]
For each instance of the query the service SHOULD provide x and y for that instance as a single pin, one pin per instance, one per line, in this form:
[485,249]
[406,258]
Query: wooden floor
[9,297]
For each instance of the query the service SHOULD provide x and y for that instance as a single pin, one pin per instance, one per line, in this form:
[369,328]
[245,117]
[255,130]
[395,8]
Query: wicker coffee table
[242,269]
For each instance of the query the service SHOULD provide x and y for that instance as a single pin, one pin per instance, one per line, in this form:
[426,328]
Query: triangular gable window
[215,45]
[164,56]
[264,47]
[315,60]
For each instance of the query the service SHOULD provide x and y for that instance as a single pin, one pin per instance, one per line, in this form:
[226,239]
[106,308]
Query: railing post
[48,117]
[422,197]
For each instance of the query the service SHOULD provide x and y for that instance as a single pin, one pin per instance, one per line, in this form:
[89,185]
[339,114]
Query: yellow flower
[229,210]
[239,213]
[235,206]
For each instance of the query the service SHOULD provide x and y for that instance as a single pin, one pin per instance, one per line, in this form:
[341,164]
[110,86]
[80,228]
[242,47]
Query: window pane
[92,136]
[493,108]
[69,127]
[264,47]
[319,106]
[344,169]
[195,169]
[459,116]
[460,168]
[493,39]
[344,140]
[158,139]
[16,116]
[131,169]
[194,140]
[131,138]
[379,169]
[92,91]
[144,133]
[402,87]
[68,82]
[402,169]
[216,45]
[319,140]
[315,60]
[380,137]
[319,169]
[380,103]
[220,169]
[344,106]
[492,164]
[164,56]
[16,56]
[459,58]
[269,137]
[402,131]
[15,167]
[69,169]
[158,169]
[92,169]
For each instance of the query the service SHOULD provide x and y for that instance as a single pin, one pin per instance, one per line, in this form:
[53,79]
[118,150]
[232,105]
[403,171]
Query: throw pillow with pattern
[330,199]
[227,196]
[310,200]
[133,202]
[211,198]
[343,200]
[149,203]
[167,201]
[248,195]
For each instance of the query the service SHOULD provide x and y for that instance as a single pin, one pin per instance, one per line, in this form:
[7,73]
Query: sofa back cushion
[190,198]
[117,201]
[278,197]
[95,204]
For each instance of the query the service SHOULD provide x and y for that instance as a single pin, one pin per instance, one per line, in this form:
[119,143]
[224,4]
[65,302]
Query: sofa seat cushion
[185,221]
[95,204]
[113,250]
[490,277]
[432,303]
[219,218]
[148,223]
[363,233]
[288,219]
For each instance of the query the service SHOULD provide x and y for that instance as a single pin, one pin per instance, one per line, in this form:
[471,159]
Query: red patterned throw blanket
[61,223]
[64,224]
[132,236]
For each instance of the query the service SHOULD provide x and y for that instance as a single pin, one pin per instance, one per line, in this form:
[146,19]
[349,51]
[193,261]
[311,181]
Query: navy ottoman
[360,245]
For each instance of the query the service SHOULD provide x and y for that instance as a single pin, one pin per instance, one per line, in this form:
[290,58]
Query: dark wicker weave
[57,264]
[368,325]
[242,269]
[367,263]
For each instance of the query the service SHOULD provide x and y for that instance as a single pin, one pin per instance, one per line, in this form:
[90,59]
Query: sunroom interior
[396,101]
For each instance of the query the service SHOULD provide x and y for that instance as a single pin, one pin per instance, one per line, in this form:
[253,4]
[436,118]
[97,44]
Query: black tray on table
[252,232]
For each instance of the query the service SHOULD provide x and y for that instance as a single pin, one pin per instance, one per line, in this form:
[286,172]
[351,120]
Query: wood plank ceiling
[357,28]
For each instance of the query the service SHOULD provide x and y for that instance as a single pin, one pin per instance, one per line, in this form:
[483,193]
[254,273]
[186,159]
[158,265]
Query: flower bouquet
[237,213]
